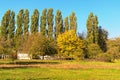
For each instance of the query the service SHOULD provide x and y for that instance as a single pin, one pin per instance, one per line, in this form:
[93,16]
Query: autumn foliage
[70,45]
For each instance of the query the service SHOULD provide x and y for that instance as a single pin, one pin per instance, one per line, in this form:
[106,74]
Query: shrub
[114,52]
[93,51]
[104,57]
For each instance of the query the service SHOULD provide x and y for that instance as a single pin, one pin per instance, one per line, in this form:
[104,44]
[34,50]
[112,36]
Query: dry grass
[68,65]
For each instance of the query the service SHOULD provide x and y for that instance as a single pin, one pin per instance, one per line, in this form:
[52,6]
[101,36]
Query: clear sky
[108,11]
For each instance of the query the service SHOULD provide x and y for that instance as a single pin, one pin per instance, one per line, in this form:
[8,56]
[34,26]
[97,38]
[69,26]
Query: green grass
[59,74]
[91,71]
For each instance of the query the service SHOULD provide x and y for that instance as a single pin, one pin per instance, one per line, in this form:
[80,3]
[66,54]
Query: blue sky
[108,11]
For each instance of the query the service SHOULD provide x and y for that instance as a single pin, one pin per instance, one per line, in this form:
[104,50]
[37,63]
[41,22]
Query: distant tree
[81,35]
[50,17]
[7,33]
[113,49]
[19,30]
[26,24]
[92,29]
[73,21]
[66,24]
[70,45]
[4,47]
[11,29]
[40,45]
[89,25]
[34,21]
[95,31]
[43,22]
[103,37]
[58,23]
[5,24]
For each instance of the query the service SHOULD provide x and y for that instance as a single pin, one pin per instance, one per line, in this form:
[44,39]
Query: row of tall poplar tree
[23,26]
[17,28]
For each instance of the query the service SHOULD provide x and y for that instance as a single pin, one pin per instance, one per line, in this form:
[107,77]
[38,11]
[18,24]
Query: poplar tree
[50,17]
[11,28]
[34,21]
[66,24]
[19,30]
[95,27]
[26,23]
[73,21]
[43,22]
[5,24]
[89,25]
[58,23]
[92,29]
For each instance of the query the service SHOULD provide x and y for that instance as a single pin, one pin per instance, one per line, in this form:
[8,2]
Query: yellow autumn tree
[70,45]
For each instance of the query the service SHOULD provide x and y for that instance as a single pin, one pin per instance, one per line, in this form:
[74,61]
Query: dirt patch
[63,66]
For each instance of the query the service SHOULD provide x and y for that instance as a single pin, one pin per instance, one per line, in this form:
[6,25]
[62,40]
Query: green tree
[89,25]
[73,21]
[95,27]
[103,37]
[19,30]
[11,29]
[38,44]
[5,24]
[4,47]
[66,24]
[43,22]
[92,29]
[34,21]
[58,23]
[113,50]
[50,17]
[7,33]
[26,23]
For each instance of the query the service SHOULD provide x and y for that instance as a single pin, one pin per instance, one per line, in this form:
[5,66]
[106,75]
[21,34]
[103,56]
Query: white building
[23,56]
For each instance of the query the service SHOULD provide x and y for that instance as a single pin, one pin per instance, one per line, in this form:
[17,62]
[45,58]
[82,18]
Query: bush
[93,51]
[105,57]
[114,52]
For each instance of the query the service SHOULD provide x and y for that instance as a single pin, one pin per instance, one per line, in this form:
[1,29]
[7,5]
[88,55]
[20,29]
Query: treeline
[50,34]
[16,30]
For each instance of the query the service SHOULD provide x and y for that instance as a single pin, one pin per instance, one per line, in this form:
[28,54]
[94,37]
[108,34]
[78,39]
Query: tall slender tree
[11,28]
[103,37]
[66,24]
[50,17]
[95,27]
[58,23]
[26,23]
[73,21]
[34,21]
[89,25]
[43,22]
[5,24]
[19,30]
[92,29]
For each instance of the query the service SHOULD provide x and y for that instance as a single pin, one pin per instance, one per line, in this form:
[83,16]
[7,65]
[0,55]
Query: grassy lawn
[59,74]
[64,70]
